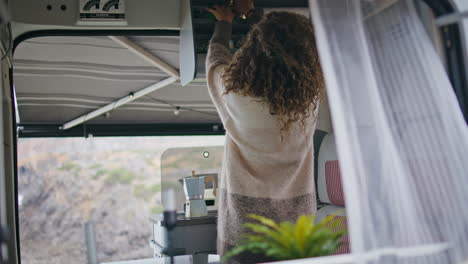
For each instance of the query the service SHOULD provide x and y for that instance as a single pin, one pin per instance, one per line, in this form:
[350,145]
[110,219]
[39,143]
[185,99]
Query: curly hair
[278,64]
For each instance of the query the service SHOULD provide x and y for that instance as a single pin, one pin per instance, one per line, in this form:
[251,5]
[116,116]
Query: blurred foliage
[120,175]
[71,167]
[99,173]
[95,166]
[144,192]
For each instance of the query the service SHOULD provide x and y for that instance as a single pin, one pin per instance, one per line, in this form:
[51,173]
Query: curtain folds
[402,140]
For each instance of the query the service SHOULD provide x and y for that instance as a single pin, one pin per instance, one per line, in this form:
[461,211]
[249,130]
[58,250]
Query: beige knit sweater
[262,173]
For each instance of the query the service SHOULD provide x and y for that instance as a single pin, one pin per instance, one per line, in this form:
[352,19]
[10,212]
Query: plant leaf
[265,221]
[288,240]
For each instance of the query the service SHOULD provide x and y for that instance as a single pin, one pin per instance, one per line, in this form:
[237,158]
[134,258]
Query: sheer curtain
[402,140]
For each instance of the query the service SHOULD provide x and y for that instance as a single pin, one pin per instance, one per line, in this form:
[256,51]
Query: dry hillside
[113,183]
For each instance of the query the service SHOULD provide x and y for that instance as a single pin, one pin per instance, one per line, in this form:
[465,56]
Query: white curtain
[402,140]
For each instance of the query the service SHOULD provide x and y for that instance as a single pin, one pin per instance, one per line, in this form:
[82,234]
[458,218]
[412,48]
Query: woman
[267,96]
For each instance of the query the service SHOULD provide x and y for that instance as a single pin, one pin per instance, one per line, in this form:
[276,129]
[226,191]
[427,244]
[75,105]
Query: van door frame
[455,52]
[453,49]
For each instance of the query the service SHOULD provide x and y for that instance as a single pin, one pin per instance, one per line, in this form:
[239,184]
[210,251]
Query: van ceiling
[58,79]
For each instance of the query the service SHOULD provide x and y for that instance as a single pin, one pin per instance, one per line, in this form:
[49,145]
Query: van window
[109,185]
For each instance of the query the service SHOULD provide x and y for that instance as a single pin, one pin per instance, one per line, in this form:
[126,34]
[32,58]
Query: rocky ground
[113,183]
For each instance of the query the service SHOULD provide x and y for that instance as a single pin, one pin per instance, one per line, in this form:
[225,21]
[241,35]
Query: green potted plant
[288,240]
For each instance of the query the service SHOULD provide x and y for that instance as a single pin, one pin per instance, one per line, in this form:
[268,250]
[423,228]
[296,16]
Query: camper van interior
[107,122]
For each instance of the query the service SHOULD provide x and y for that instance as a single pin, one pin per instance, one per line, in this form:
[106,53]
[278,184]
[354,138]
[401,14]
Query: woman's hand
[222,13]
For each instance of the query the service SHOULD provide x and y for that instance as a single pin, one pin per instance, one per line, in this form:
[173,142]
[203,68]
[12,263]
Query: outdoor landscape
[113,184]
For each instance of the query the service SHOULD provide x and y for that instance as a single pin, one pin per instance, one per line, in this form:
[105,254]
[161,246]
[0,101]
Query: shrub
[121,176]
[99,173]
[70,167]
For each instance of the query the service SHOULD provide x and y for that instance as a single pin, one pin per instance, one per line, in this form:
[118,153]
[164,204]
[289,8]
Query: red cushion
[333,181]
